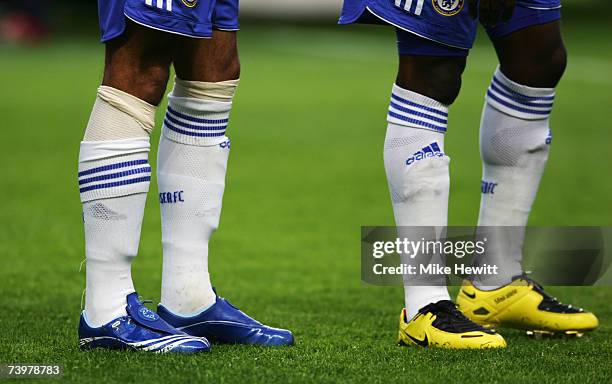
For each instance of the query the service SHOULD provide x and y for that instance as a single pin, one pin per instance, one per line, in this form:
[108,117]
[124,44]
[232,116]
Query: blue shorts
[192,18]
[442,27]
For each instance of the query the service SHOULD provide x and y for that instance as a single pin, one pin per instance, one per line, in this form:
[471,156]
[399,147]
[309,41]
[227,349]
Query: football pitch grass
[304,174]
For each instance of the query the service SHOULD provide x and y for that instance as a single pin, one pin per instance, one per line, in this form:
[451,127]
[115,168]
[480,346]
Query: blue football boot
[224,323]
[141,330]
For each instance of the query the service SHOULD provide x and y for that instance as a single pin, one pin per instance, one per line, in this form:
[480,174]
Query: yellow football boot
[523,304]
[441,325]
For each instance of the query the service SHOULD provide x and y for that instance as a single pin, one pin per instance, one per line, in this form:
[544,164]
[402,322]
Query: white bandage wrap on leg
[114,176]
[220,91]
[418,176]
[192,162]
[119,115]
[514,140]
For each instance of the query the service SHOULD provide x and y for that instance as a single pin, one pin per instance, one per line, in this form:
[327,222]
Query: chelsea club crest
[446,7]
[190,3]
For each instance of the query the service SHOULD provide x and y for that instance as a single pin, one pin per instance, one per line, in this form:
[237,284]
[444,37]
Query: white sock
[514,142]
[418,176]
[114,179]
[192,161]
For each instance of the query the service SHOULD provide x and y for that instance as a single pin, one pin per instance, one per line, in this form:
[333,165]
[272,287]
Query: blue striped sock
[515,137]
[196,122]
[192,161]
[113,182]
[418,176]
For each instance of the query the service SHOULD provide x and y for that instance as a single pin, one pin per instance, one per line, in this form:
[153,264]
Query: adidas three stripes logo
[432,150]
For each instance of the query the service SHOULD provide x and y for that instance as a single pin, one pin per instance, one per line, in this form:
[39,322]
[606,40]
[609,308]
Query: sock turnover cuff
[411,109]
[110,169]
[195,121]
[519,100]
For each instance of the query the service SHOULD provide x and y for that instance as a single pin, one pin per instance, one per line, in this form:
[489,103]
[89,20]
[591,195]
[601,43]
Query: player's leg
[428,81]
[434,38]
[192,163]
[534,63]
[114,175]
[515,137]
[114,171]
[425,87]
[138,63]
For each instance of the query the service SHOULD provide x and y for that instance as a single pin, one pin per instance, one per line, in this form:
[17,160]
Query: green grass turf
[305,173]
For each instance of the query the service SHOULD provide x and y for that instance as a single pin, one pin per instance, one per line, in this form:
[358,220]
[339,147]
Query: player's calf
[192,162]
[418,176]
[114,175]
[515,139]
[417,167]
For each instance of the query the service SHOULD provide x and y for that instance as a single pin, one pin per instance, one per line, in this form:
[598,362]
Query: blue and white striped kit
[106,171]
[518,100]
[415,110]
[195,121]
